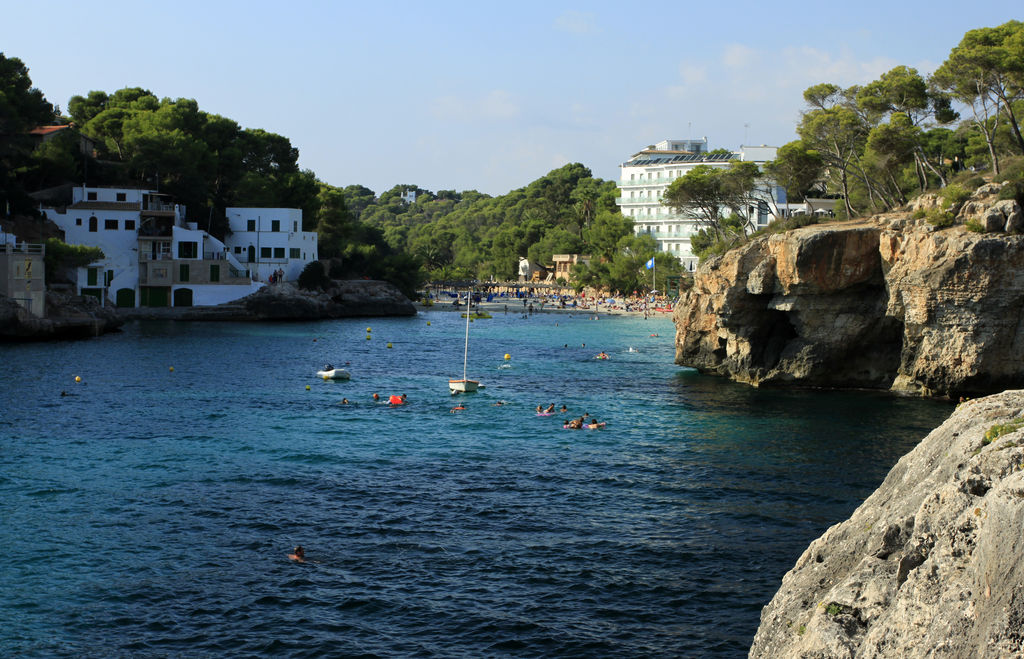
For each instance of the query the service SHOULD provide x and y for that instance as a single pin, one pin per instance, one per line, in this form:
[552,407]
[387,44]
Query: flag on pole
[650,263]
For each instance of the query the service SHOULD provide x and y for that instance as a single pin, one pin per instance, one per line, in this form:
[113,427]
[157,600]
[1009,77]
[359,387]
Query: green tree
[22,108]
[709,192]
[986,72]
[796,168]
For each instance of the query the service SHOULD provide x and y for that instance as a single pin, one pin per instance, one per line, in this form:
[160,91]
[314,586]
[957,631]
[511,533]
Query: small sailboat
[464,385]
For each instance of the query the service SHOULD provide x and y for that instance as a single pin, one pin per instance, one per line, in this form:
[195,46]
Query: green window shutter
[214,272]
[183,272]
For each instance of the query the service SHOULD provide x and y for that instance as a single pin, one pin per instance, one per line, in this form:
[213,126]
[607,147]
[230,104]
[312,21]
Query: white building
[269,240]
[648,173]
[153,258]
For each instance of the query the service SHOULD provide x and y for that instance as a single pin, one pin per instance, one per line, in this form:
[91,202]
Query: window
[93,222]
[238,249]
[251,225]
[108,277]
[122,196]
[110,225]
[294,252]
[188,250]
[90,196]
[279,252]
[295,226]
[78,221]
[275,225]
[264,252]
[90,276]
[129,225]
[214,272]
[183,272]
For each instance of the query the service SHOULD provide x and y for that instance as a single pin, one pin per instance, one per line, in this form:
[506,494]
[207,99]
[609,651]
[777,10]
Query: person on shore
[299,555]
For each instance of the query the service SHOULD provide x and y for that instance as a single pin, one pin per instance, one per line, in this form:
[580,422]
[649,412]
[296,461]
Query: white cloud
[577,22]
[496,105]
[692,74]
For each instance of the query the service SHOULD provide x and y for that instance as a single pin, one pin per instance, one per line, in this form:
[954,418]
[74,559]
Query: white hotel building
[648,173]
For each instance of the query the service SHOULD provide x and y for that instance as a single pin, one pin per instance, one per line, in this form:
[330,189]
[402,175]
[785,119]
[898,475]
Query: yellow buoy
[389,344]
[367,337]
[172,369]
[428,323]
[307,387]
[325,379]
[507,356]
[367,330]
[78,378]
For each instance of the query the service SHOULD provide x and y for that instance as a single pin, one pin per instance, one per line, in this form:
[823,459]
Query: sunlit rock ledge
[888,302]
[350,298]
[930,565]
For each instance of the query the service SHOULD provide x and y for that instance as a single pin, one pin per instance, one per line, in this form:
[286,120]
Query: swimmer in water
[376,398]
[344,401]
[299,556]
[457,408]
[550,409]
[564,409]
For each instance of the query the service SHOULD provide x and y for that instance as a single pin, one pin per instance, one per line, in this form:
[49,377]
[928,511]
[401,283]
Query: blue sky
[480,95]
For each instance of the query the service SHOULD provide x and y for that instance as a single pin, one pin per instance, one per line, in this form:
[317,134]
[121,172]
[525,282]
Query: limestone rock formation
[286,301]
[930,565]
[885,303]
[343,299]
[68,317]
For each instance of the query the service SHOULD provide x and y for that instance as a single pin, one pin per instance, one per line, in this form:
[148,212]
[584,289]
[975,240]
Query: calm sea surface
[150,511]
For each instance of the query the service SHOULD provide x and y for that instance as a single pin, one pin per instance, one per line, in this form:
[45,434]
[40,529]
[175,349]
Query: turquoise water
[150,511]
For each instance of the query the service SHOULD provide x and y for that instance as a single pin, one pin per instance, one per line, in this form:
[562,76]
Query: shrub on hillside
[313,277]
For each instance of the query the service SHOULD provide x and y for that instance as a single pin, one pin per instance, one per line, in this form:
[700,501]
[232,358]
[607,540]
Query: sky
[484,95]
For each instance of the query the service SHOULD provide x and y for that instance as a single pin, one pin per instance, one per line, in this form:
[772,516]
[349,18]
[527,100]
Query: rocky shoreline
[931,564]
[73,317]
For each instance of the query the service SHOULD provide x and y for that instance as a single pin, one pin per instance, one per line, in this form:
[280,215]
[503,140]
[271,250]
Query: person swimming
[540,409]
[299,555]
[550,409]
[344,401]
[564,409]
[376,397]
[593,424]
[457,408]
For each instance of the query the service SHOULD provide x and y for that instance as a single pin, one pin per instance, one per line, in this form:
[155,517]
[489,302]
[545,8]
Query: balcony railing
[23,248]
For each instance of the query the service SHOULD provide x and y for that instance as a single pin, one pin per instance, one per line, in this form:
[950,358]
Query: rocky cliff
[885,303]
[930,565]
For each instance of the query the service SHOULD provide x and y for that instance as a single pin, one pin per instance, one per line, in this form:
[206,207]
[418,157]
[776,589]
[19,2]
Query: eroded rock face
[887,303]
[931,564]
[68,317]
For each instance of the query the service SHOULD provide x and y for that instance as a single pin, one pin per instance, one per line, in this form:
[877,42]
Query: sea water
[148,509]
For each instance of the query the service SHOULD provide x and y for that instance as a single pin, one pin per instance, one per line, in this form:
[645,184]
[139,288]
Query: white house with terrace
[270,241]
[647,174]
[152,257]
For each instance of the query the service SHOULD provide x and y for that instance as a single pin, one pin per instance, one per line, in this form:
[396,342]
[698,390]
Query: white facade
[151,257]
[267,240]
[647,175]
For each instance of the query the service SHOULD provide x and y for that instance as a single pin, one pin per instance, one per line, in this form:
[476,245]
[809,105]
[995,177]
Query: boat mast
[465,354]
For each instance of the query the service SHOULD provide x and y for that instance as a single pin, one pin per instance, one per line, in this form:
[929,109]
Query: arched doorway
[183,297]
